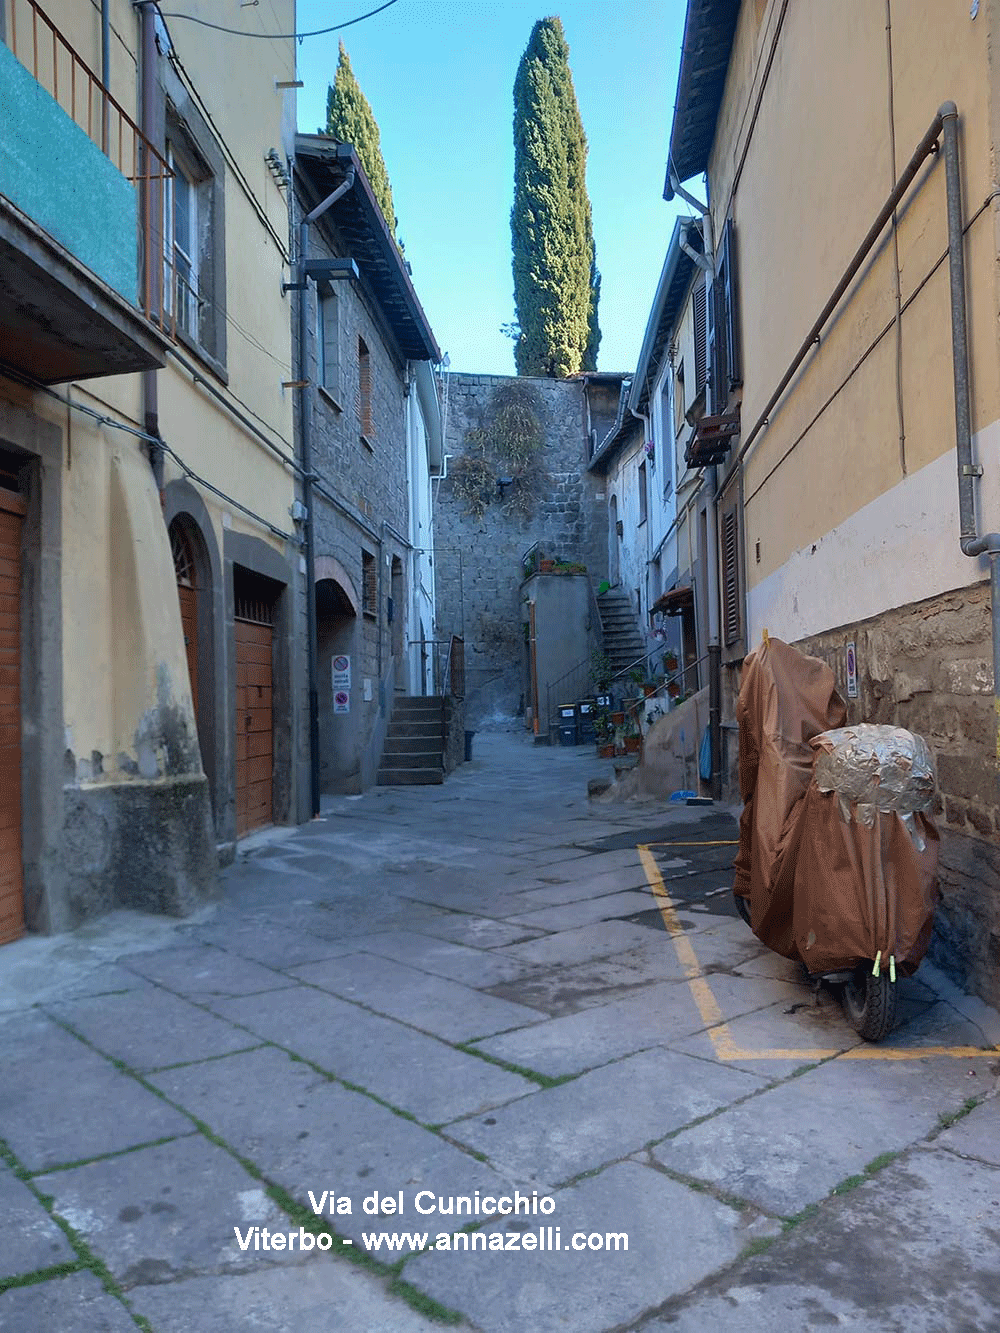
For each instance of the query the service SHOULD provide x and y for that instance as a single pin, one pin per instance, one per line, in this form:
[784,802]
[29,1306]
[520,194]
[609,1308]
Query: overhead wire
[278,36]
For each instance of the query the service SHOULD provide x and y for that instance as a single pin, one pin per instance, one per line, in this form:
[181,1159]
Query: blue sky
[439,75]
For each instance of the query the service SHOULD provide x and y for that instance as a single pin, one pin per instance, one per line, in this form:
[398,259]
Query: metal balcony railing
[41,48]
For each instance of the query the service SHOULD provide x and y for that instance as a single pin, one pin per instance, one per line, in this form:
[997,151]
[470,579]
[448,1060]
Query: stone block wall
[478,569]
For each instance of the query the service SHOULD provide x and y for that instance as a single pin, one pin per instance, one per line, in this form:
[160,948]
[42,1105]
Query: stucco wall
[478,560]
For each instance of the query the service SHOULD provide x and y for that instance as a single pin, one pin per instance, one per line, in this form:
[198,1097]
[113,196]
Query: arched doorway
[336,626]
[186,571]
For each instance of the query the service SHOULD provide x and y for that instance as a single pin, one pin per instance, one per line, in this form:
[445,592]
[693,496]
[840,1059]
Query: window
[194,283]
[328,343]
[731,619]
[679,397]
[723,343]
[363,405]
[642,493]
[181,227]
[369,584]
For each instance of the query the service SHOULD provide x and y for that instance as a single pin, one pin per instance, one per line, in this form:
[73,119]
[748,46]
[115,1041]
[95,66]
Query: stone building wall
[360,503]
[479,560]
[928,667]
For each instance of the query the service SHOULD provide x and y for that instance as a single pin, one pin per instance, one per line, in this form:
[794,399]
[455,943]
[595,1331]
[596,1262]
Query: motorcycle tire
[742,906]
[870,1003]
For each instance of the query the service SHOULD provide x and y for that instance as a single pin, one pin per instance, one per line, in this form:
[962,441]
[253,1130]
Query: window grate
[369,583]
[183,553]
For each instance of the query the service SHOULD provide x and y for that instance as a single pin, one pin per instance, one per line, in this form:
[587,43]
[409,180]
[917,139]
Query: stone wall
[928,667]
[479,560]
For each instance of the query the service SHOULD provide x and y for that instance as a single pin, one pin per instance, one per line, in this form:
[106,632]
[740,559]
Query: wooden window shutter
[363,402]
[730,577]
[733,360]
[369,583]
[698,311]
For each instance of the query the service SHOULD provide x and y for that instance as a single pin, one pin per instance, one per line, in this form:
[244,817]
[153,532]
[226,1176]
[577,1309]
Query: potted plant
[600,670]
[670,662]
[633,736]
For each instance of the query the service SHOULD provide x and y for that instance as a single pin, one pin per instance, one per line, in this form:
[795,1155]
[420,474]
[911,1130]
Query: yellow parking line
[718,1029]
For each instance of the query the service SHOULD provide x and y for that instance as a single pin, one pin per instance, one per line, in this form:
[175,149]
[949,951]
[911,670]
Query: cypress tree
[349,118]
[556,284]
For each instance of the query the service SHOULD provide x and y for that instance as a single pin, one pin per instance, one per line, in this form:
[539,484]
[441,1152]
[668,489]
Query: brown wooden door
[189,624]
[11,882]
[254,725]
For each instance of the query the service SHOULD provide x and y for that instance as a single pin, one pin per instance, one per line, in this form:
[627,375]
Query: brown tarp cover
[823,891]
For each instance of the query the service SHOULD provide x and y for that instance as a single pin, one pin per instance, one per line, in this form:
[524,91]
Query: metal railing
[43,50]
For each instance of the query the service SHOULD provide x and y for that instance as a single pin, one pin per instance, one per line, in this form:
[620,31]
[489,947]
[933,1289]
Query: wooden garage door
[11,884]
[254,724]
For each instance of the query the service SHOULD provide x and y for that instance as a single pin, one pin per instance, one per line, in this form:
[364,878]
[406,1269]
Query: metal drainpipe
[305,446]
[150,384]
[105,68]
[971,544]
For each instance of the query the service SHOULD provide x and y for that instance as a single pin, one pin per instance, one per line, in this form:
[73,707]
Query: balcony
[711,439]
[72,167]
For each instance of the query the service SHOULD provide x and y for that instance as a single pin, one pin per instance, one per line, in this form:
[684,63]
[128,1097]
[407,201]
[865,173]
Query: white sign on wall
[340,666]
[852,671]
[341,701]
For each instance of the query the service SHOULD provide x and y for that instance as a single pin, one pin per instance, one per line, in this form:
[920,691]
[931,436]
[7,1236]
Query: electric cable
[279,36]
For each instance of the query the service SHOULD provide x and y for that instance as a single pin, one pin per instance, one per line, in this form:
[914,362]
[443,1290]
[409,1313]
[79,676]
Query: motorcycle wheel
[870,1003]
[742,906]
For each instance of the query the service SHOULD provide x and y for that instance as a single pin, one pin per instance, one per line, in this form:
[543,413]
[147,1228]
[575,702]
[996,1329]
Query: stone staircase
[623,641]
[414,745]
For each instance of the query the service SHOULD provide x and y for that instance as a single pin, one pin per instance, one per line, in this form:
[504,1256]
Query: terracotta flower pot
[606,751]
[617,719]
[633,744]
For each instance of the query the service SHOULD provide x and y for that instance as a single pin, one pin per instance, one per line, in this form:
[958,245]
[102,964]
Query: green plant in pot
[601,670]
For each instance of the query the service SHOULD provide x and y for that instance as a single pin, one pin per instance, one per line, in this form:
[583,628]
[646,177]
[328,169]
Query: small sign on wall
[341,701]
[852,671]
[341,668]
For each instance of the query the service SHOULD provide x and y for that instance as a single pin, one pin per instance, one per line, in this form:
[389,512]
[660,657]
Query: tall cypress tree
[349,118]
[556,284]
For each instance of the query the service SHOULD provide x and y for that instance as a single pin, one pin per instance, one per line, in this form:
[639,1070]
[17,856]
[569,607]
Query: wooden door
[254,723]
[12,510]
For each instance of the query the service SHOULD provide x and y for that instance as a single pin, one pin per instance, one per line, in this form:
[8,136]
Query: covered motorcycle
[838,856]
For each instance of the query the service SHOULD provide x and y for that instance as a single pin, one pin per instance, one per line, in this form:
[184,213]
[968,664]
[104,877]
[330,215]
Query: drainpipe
[305,445]
[105,67]
[971,543]
[151,197]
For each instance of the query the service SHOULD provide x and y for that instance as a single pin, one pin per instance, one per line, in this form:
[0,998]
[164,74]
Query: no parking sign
[341,701]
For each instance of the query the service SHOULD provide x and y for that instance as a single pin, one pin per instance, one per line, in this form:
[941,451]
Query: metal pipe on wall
[972,545]
[150,384]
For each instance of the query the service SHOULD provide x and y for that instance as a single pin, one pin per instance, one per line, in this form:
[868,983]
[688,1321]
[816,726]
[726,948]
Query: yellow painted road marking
[718,1029]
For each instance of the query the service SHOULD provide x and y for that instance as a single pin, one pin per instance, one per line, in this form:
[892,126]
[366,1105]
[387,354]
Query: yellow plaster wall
[817,170]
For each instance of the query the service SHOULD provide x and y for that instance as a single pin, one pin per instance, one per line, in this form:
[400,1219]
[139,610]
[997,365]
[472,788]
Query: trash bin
[587,711]
[468,745]
[569,735]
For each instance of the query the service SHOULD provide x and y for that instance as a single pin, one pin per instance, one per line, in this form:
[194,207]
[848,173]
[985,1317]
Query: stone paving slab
[587,911]
[910,1251]
[74,1304]
[567,990]
[274,947]
[602,1116]
[404,1067]
[808,1027]
[200,970]
[458,962]
[55,1096]
[478,932]
[167,1211]
[596,1035]
[977,1134]
[323,1294]
[676,1237]
[162,1030]
[577,888]
[305,1133]
[433,1004]
[785,1150]
[29,1239]
[577,946]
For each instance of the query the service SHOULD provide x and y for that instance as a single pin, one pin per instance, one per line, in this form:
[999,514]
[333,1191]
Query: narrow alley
[490,1053]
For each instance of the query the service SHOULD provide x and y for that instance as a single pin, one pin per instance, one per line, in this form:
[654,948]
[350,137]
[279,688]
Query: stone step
[409,705]
[410,777]
[395,744]
[414,759]
[422,727]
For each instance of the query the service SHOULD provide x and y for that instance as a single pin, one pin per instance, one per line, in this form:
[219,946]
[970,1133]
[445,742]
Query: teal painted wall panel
[53,172]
